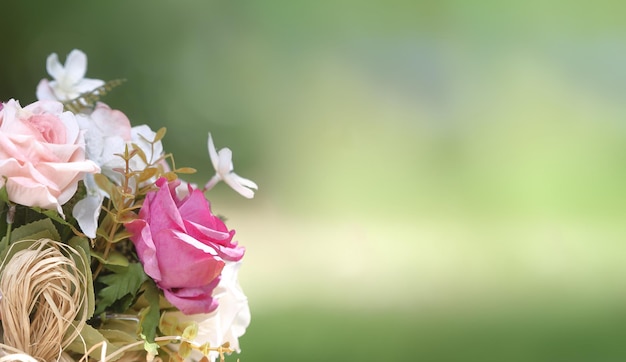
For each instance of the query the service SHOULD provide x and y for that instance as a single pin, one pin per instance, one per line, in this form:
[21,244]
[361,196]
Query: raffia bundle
[44,301]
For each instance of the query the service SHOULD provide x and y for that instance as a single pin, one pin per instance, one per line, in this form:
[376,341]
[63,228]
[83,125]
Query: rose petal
[145,248]
[184,262]
[193,300]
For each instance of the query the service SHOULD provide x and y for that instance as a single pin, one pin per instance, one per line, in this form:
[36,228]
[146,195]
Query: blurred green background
[439,180]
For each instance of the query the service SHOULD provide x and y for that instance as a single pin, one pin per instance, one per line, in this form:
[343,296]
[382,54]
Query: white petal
[244,181]
[213,153]
[231,181]
[75,66]
[186,238]
[86,212]
[44,91]
[229,321]
[72,130]
[54,67]
[87,85]
[225,161]
[142,136]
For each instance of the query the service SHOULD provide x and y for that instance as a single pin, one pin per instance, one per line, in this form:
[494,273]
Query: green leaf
[40,229]
[4,209]
[83,263]
[149,316]
[115,258]
[151,347]
[186,170]
[122,283]
[140,153]
[159,134]
[124,217]
[4,195]
[104,183]
[89,337]
[121,338]
[147,173]
[52,214]
[4,247]
[121,235]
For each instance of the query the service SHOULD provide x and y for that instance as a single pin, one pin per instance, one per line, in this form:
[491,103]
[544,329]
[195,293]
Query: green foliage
[150,315]
[114,258]
[81,245]
[54,215]
[121,287]
[35,230]
[89,336]
[4,209]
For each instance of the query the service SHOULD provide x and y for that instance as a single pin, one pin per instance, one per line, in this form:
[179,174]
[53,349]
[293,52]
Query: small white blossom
[69,79]
[223,164]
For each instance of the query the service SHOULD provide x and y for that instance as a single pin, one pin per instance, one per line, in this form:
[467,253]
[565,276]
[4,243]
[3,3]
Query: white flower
[223,164]
[106,133]
[69,80]
[143,137]
[87,210]
[231,318]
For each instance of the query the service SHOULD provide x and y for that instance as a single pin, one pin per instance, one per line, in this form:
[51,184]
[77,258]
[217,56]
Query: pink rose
[183,246]
[42,154]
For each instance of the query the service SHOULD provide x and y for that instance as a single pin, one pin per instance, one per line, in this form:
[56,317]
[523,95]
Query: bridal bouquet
[106,252]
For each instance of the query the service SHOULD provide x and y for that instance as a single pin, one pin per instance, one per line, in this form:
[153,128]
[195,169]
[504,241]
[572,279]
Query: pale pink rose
[183,246]
[42,154]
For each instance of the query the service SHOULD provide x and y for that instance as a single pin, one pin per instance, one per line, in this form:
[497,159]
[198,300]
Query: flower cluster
[159,269]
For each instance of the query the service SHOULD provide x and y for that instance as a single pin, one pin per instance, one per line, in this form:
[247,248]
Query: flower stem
[10,220]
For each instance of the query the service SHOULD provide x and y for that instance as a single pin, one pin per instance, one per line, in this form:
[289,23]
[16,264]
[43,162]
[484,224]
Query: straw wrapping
[43,292]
